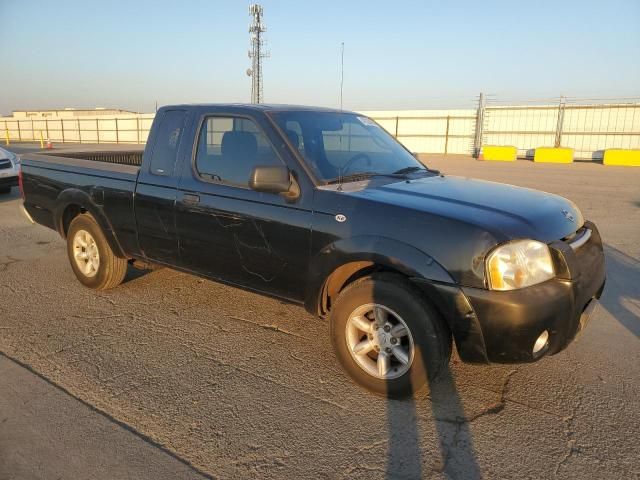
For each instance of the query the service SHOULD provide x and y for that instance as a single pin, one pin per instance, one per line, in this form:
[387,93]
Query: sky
[398,54]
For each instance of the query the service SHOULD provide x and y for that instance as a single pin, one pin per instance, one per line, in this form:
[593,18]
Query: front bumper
[502,327]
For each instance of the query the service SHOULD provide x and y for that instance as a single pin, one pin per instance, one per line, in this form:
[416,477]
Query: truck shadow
[457,454]
[134,273]
[621,296]
[412,455]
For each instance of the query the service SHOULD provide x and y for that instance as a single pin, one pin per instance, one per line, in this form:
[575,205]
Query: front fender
[74,196]
[383,251]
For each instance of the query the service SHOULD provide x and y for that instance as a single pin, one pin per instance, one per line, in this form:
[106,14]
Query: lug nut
[394,340]
[387,328]
[388,350]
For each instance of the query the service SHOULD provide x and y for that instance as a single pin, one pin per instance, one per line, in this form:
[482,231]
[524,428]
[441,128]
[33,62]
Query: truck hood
[504,210]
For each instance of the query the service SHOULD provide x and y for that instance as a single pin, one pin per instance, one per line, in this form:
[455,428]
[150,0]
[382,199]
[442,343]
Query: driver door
[230,232]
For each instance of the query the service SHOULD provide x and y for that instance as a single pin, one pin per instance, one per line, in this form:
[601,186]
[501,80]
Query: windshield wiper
[363,176]
[411,169]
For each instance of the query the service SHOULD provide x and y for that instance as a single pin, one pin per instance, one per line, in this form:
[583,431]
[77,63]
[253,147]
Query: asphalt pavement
[202,378]
[46,433]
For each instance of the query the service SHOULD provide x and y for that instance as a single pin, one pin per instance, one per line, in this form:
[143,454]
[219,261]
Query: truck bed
[126,157]
[102,182]
[123,165]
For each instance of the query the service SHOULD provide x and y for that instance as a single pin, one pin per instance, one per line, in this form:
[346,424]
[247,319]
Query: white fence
[588,128]
[430,131]
[104,129]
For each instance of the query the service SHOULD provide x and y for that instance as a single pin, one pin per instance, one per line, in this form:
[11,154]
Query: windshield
[337,145]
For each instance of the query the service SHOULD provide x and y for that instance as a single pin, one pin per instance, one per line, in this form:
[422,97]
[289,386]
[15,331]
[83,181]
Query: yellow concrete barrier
[499,153]
[553,155]
[627,158]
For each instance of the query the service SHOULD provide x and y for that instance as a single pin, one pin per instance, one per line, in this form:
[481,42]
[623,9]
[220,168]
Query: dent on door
[255,252]
[257,256]
[247,238]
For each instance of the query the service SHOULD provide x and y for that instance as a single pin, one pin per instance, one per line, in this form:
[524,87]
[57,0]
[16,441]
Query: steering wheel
[355,158]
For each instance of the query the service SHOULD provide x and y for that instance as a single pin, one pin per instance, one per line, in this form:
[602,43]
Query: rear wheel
[387,337]
[91,257]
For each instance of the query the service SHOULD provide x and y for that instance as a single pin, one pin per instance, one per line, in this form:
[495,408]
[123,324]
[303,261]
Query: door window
[229,148]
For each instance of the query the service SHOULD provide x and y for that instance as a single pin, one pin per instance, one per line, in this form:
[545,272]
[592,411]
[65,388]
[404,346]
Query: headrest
[239,144]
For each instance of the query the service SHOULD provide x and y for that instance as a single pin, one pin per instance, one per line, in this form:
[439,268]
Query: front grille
[5,164]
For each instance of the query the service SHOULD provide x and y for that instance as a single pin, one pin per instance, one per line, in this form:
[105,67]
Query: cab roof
[262,107]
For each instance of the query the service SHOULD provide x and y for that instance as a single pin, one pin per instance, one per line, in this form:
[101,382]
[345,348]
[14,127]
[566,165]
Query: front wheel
[91,257]
[387,337]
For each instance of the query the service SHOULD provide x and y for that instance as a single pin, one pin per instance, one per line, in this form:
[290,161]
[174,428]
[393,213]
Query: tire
[398,302]
[109,270]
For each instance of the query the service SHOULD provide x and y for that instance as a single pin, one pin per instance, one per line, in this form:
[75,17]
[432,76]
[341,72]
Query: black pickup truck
[324,208]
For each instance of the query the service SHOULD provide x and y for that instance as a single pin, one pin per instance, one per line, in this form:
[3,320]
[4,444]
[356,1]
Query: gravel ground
[243,386]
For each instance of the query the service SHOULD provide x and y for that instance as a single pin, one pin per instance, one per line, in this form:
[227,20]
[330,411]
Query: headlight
[519,264]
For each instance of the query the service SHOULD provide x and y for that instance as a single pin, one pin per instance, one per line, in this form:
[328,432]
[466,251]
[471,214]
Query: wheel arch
[73,202]
[344,261]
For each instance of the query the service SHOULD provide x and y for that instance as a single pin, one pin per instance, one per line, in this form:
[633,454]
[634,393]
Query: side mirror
[270,179]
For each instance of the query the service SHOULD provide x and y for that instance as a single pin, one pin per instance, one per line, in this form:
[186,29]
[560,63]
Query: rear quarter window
[167,141]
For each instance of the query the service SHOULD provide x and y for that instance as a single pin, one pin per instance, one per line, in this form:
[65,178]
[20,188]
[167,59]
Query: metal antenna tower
[256,52]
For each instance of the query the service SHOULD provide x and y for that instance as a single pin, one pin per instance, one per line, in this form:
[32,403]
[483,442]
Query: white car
[9,170]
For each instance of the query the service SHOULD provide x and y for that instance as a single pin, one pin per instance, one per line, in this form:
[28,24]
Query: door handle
[190,198]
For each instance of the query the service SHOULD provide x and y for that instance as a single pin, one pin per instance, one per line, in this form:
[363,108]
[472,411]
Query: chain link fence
[589,126]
